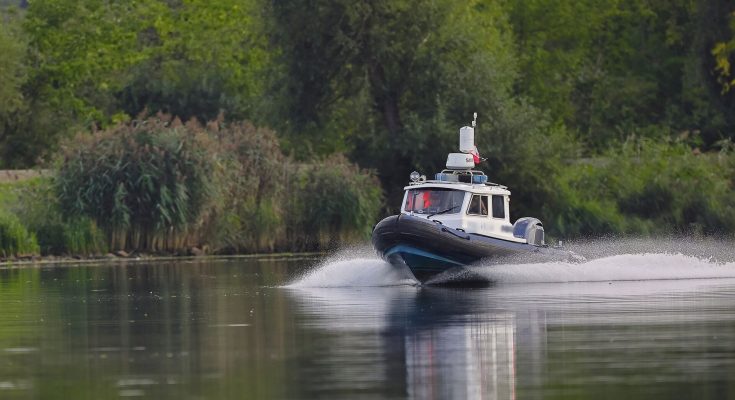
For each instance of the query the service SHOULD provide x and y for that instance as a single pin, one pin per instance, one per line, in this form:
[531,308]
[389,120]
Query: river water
[628,325]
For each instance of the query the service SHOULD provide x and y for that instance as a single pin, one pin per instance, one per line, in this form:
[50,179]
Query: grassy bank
[163,187]
[19,262]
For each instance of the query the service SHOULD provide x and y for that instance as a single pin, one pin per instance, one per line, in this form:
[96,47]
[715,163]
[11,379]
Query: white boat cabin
[462,200]
[461,197]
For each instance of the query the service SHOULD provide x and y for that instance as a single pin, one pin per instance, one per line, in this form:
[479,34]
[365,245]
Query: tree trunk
[386,99]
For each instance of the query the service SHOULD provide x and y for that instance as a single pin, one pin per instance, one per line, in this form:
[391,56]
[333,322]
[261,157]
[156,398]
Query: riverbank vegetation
[603,117]
[164,187]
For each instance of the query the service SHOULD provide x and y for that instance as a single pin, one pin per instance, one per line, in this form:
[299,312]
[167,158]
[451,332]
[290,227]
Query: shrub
[272,203]
[256,174]
[148,185]
[163,186]
[36,205]
[333,201]
[15,238]
[82,236]
[648,187]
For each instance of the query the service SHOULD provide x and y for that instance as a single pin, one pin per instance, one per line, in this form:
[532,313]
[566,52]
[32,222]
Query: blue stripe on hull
[421,262]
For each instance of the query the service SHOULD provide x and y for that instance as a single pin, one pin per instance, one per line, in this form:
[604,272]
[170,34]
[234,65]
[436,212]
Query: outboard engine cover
[530,229]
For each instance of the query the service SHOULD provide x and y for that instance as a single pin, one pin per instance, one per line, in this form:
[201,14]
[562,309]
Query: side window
[478,205]
[409,200]
[498,207]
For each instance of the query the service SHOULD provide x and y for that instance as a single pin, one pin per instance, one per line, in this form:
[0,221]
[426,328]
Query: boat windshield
[434,201]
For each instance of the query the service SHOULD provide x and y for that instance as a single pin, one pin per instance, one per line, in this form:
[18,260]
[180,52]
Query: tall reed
[332,202]
[256,171]
[147,184]
[160,185]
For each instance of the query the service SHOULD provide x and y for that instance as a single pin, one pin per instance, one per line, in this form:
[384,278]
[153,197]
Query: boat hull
[429,248]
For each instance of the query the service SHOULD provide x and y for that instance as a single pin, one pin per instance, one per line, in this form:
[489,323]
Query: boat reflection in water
[427,336]
[472,360]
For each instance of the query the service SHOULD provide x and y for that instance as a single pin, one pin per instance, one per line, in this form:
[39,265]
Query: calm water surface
[230,329]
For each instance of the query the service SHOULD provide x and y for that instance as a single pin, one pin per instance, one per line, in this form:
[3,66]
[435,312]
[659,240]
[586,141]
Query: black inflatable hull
[429,248]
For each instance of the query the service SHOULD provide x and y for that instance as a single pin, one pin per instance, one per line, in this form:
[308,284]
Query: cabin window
[499,207]
[434,201]
[478,205]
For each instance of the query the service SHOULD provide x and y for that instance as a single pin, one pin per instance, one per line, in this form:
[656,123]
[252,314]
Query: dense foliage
[600,115]
[646,187]
[337,202]
[15,238]
[148,184]
[160,185]
[35,204]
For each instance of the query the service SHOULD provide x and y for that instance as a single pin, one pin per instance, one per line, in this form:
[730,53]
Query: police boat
[456,219]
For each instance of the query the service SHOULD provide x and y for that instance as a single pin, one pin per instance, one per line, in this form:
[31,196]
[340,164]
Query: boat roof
[488,187]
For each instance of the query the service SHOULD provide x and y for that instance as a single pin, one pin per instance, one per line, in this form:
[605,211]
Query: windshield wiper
[442,211]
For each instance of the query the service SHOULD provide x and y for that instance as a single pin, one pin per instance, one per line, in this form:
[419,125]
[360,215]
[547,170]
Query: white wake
[359,268]
[624,267]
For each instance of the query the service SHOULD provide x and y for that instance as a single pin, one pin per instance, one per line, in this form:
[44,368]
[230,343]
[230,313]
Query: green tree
[81,53]
[13,73]
[12,65]
[722,53]
[202,58]
[391,81]
[612,69]
[91,63]
[76,52]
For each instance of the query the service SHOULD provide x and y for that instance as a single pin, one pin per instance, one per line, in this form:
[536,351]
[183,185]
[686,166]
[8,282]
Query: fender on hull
[429,248]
